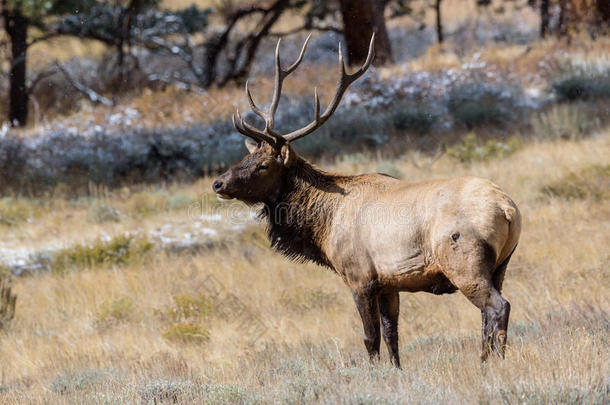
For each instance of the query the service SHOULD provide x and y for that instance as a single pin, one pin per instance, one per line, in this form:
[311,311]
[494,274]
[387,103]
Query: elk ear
[288,155]
[251,145]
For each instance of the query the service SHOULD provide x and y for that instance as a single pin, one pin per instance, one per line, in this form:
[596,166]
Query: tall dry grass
[179,327]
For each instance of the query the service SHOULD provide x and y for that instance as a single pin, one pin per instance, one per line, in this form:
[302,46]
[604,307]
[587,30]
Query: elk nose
[217,185]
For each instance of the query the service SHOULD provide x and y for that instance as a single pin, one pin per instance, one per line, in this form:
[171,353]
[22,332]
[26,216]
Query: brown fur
[299,218]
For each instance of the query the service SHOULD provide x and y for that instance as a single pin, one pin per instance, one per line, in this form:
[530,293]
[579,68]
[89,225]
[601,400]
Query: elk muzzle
[220,187]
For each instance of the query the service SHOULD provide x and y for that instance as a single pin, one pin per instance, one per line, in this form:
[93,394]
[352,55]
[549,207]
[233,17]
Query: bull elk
[380,234]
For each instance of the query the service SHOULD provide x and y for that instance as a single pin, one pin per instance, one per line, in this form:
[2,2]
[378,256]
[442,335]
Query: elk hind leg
[473,275]
[495,311]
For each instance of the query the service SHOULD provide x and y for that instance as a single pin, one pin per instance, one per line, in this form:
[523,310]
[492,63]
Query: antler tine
[280,75]
[242,131]
[341,62]
[253,106]
[367,62]
[344,81]
[248,130]
[347,79]
[251,128]
[277,87]
[296,63]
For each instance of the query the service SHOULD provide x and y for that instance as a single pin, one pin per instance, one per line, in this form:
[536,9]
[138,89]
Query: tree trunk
[439,21]
[544,18]
[360,19]
[603,9]
[16,26]
[564,14]
[126,21]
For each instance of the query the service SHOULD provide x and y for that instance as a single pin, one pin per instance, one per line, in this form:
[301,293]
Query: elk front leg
[368,307]
[389,305]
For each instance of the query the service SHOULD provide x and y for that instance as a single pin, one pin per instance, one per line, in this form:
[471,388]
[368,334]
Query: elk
[380,234]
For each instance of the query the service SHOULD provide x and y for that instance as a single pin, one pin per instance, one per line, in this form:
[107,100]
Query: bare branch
[306,27]
[91,94]
[43,38]
[251,42]
[184,51]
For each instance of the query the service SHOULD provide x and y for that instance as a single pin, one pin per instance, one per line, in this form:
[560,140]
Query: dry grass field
[144,319]
[132,293]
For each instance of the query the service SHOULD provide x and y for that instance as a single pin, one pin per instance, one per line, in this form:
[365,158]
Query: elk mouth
[223,197]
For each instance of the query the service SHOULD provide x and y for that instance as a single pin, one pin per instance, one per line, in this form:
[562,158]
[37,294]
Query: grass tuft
[592,182]
[8,302]
[224,394]
[164,391]
[15,211]
[120,250]
[305,300]
[81,380]
[117,310]
[147,203]
[187,332]
[568,121]
[100,213]
[190,307]
[179,201]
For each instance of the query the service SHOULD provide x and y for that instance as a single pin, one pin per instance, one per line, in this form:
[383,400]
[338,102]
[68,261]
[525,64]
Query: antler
[268,134]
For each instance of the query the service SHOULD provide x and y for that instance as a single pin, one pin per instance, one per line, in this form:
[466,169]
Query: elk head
[259,176]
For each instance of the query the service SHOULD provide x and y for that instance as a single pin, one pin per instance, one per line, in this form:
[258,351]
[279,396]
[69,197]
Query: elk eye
[263,167]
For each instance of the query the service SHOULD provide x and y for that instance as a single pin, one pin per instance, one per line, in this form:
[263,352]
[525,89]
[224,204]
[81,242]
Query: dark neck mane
[300,218]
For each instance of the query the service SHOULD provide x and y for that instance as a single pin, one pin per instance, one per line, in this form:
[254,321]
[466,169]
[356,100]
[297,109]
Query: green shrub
[419,122]
[100,212]
[187,332]
[472,150]
[14,211]
[117,310]
[120,250]
[190,307]
[591,182]
[582,87]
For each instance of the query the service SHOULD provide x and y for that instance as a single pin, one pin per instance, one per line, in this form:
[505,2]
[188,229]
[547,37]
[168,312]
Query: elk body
[381,235]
